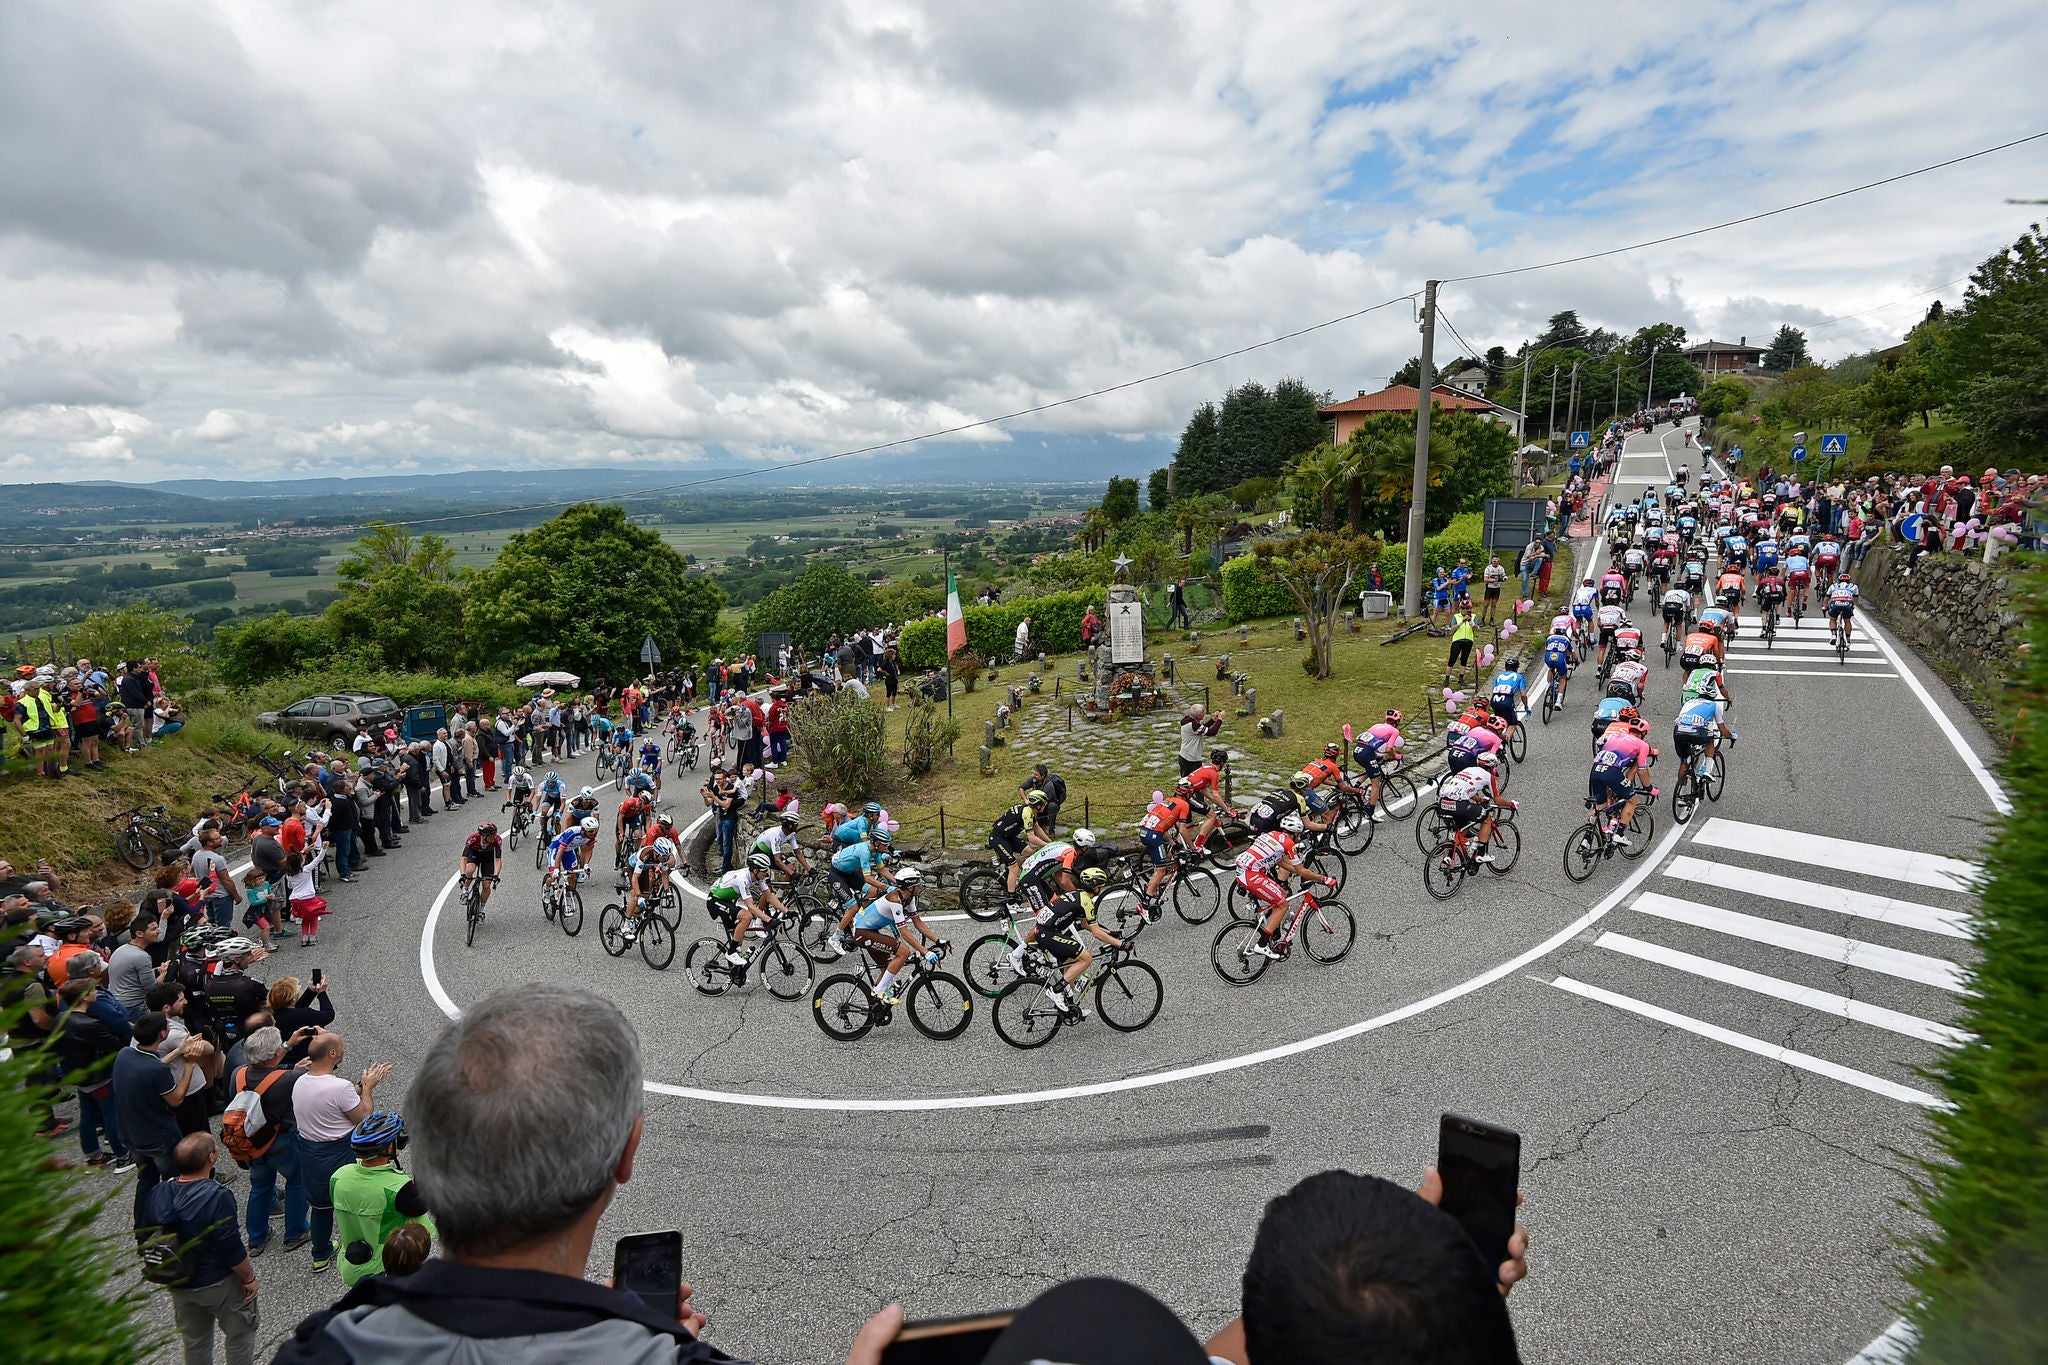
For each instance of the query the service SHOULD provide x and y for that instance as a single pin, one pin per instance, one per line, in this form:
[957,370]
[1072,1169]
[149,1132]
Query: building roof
[1722,348]
[1401,398]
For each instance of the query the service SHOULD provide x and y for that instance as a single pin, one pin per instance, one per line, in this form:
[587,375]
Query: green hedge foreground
[992,631]
[1981,1275]
[1248,595]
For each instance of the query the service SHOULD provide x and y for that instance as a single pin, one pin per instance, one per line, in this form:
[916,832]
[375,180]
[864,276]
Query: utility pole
[1571,412]
[1550,422]
[1411,581]
[1615,416]
[1650,389]
[1522,413]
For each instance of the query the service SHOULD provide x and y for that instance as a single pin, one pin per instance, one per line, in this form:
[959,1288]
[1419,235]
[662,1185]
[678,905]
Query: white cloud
[343,239]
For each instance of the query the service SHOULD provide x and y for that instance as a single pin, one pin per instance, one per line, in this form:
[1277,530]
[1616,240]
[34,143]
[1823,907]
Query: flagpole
[946,559]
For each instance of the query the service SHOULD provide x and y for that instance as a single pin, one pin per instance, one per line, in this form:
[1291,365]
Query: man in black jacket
[137,695]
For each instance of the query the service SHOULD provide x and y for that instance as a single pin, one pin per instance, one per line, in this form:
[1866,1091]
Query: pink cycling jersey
[1634,748]
[1385,737]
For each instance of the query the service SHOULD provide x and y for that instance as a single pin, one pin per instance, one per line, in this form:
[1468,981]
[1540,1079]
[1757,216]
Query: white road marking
[1806,642]
[1871,957]
[1805,1061]
[1894,1346]
[1762,654]
[1999,801]
[1841,1006]
[1806,673]
[1819,850]
[1928,919]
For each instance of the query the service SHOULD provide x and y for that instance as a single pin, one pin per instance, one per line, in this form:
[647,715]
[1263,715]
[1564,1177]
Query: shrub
[1249,592]
[927,731]
[841,743]
[967,668]
[992,631]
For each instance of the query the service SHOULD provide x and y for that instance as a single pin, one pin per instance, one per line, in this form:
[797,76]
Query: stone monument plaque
[1126,631]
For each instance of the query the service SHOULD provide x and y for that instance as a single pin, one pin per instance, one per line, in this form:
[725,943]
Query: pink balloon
[1347,732]
[1486,657]
[1508,628]
[1527,603]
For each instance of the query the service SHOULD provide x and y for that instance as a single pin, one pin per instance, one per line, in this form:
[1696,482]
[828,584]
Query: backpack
[245,1130]
[1056,789]
[167,1254]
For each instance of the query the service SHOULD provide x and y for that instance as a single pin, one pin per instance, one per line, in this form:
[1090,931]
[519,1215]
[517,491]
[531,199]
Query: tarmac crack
[1585,1134]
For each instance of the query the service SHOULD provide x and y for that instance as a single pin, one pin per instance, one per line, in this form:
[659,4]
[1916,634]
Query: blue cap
[271,822]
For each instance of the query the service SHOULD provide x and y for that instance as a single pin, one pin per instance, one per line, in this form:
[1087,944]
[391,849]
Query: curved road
[1711,1054]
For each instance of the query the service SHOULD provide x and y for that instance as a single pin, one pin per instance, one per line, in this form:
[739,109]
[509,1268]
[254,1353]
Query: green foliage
[581,592]
[67,1295]
[1787,350]
[404,618]
[1254,434]
[405,688]
[825,601]
[1996,346]
[841,743]
[992,631]
[1316,477]
[1120,503]
[271,646]
[908,601]
[1250,593]
[928,732]
[1159,488]
[1318,571]
[1722,397]
[139,631]
[1249,493]
[1982,1269]
[966,666]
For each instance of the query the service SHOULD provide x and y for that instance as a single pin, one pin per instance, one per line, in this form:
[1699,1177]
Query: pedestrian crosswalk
[1802,651]
[1755,936]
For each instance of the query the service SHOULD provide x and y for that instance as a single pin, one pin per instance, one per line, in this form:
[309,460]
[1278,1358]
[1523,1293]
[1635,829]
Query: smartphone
[946,1341]
[318,978]
[649,1266]
[1481,1165]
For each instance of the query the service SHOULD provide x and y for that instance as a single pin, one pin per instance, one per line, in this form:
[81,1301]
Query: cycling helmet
[1513,665]
[587,792]
[1631,656]
[790,821]
[69,925]
[1639,727]
[1183,786]
[871,809]
[203,936]
[1034,797]
[1301,782]
[1292,823]
[1488,759]
[761,862]
[662,821]
[589,824]
[552,779]
[665,849]
[910,876]
[230,948]
[1084,838]
[1628,715]
[1393,715]
[1332,749]
[1093,876]
[1219,757]
[489,828]
[1588,583]
[1498,725]
[882,836]
[380,1130]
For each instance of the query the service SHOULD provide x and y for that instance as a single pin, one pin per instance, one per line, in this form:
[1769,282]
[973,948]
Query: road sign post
[650,654]
[1834,445]
[1582,440]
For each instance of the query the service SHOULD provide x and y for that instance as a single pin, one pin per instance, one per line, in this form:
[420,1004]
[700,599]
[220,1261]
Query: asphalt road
[1710,1053]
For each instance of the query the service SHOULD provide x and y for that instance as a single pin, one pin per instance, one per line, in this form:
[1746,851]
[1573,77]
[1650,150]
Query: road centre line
[1871,957]
[1820,850]
[1820,1066]
[1827,1002]
[1726,877]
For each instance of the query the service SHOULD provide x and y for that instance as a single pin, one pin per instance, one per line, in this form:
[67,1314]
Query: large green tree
[399,599]
[1120,502]
[138,631]
[581,592]
[1787,350]
[1255,433]
[270,646]
[1997,349]
[826,601]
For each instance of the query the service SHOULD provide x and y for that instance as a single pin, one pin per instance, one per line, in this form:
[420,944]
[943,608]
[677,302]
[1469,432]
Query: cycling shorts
[844,885]
[1155,846]
[1507,708]
[486,864]
[1827,562]
[1457,761]
[1006,850]
[1688,745]
[1582,610]
[1607,634]
[1462,814]
[1674,612]
[1038,893]
[1608,786]
[1261,886]
[1371,765]
[1841,611]
[570,862]
[1062,947]
[1262,824]
[1800,577]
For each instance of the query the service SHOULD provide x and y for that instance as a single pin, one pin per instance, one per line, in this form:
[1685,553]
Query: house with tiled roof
[1347,416]
[1725,357]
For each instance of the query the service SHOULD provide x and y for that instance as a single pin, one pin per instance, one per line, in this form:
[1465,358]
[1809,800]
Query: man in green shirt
[1462,633]
[372,1196]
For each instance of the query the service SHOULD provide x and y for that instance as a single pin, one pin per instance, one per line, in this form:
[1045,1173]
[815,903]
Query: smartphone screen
[946,1341]
[318,977]
[649,1266]
[1481,1166]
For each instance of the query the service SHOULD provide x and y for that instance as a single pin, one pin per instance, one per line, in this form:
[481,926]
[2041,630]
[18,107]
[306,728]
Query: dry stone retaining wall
[1954,608]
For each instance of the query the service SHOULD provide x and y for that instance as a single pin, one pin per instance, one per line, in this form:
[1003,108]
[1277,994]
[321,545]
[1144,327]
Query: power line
[1749,218]
[1893,304]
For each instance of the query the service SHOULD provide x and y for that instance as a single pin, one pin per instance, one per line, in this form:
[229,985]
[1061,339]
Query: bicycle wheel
[1518,743]
[1642,828]
[1229,839]
[1716,777]
[1399,796]
[611,930]
[1232,956]
[1328,933]
[540,852]
[1117,908]
[1351,830]
[1023,1017]
[940,1005]
[1239,902]
[1197,894]
[657,942]
[1582,851]
[1506,846]
[1549,703]
[1431,829]
[134,850]
[842,1007]
[474,920]
[986,965]
[705,964]
[571,916]
[984,893]
[783,969]
[1128,996]
[812,931]
[1442,870]
[1685,796]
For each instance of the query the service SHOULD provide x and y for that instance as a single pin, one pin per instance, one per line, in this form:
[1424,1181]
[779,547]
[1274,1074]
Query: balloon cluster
[1508,629]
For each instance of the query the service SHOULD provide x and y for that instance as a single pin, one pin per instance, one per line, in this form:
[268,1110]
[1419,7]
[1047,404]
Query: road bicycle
[1399,795]
[1838,635]
[778,961]
[522,822]
[135,829]
[1128,994]
[561,901]
[550,827]
[1797,602]
[1517,742]
[1702,776]
[1457,857]
[1326,930]
[986,963]
[1553,695]
[939,1004]
[473,906]
[655,935]
[1315,853]
[1590,843]
[985,890]
[1770,631]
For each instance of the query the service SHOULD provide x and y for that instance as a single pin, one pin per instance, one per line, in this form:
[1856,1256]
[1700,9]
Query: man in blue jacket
[221,1288]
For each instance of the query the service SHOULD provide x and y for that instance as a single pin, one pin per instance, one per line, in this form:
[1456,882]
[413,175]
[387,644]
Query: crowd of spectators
[51,715]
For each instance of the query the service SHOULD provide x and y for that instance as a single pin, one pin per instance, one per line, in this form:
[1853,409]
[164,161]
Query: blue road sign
[1798,454]
[1581,440]
[1834,443]
[1910,529]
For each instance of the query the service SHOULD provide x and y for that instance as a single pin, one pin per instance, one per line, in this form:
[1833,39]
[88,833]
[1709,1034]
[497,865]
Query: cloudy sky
[247,239]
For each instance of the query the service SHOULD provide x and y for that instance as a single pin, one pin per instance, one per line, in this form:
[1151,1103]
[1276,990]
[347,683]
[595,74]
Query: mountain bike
[1127,994]
[1702,776]
[1457,857]
[135,829]
[1326,929]
[562,902]
[938,1003]
[779,962]
[1591,842]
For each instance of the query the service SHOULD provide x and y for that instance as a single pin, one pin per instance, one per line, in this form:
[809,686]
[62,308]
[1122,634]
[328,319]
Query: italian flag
[956,620]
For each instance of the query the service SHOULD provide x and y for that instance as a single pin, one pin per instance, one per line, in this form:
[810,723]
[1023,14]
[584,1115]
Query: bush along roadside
[1248,595]
[992,631]
[1980,1275]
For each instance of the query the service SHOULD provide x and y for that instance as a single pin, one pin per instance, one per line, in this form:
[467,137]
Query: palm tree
[1189,517]
[1387,465]
[1318,474]
[1094,529]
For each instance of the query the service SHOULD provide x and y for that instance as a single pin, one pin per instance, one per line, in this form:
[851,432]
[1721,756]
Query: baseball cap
[270,822]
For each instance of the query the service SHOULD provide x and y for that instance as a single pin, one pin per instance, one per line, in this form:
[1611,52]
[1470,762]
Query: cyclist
[1674,606]
[1827,557]
[551,795]
[643,783]
[1165,823]
[583,805]
[1469,797]
[648,878]
[779,841]
[569,853]
[519,785]
[893,921]
[1770,590]
[686,742]
[1273,851]
[1734,551]
[1054,932]
[1628,638]
[855,828]
[480,854]
[1510,692]
[1559,656]
[1767,555]
[1466,750]
[650,763]
[1327,771]
[1629,677]
[736,899]
[1623,757]
[1728,588]
[855,866]
[1701,726]
[1634,561]
[1051,869]
[1842,595]
[1613,586]
[1611,619]
[1203,791]
[1693,577]
[1798,574]
[632,822]
[1583,599]
[1016,832]
[1274,806]
[664,827]
[1370,751]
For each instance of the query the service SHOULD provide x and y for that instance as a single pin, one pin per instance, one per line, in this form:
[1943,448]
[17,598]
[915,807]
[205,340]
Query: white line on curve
[1999,801]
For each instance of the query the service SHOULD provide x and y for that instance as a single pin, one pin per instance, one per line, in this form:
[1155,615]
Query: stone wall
[1954,608]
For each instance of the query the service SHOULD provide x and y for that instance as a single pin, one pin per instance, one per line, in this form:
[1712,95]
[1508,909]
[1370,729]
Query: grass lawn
[1112,768]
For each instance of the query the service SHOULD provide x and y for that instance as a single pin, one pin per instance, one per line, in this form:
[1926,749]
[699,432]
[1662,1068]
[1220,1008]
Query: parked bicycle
[137,828]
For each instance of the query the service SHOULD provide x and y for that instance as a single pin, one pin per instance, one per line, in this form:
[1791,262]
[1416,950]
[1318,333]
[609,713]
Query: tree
[399,599]
[1722,397]
[1410,373]
[1159,488]
[1380,456]
[271,647]
[1787,350]
[1564,329]
[580,592]
[1249,493]
[1997,348]
[139,631]
[1318,475]
[826,601]
[384,546]
[1198,462]
[1317,569]
[1120,503]
[1496,364]
[1478,457]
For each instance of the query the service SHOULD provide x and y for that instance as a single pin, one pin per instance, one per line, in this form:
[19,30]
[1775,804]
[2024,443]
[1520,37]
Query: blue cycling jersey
[850,831]
[856,859]
[1699,717]
[1509,683]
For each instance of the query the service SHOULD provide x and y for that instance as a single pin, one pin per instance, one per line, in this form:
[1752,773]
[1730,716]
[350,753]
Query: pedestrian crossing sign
[1581,440]
[1834,443]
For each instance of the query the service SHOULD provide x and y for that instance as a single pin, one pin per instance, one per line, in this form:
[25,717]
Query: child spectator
[306,901]
[407,1249]
[262,914]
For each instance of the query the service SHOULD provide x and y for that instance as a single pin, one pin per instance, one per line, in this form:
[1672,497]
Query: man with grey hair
[277,1142]
[525,1119]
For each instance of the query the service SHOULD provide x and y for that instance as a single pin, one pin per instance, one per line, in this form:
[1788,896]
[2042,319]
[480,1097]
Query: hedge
[1247,595]
[992,631]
